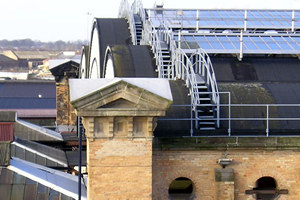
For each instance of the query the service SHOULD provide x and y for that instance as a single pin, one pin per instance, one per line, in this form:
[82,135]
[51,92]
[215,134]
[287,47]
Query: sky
[68,20]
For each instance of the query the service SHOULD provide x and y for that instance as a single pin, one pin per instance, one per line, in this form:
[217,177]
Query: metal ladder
[138,28]
[205,111]
[166,61]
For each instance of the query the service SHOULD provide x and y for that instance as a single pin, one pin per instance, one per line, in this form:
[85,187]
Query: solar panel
[251,43]
[226,19]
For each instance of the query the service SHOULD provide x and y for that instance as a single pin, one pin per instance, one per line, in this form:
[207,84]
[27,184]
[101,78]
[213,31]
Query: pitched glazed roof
[25,180]
[38,153]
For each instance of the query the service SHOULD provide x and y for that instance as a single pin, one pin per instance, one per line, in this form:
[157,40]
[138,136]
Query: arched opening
[181,189]
[267,184]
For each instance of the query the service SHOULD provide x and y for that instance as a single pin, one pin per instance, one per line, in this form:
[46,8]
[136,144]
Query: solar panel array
[219,31]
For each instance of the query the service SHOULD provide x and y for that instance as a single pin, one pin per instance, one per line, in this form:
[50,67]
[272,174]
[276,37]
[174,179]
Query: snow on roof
[42,130]
[82,87]
[54,179]
[56,62]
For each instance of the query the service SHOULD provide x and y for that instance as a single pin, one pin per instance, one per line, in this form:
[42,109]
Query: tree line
[31,45]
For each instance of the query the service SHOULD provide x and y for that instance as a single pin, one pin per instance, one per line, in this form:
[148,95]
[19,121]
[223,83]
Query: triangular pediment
[120,95]
[119,103]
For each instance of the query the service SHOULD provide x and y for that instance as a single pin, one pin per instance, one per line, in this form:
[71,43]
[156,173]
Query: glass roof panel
[214,42]
[227,18]
[292,42]
[262,44]
[248,43]
[271,43]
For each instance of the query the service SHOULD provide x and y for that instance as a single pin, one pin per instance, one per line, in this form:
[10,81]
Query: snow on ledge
[82,87]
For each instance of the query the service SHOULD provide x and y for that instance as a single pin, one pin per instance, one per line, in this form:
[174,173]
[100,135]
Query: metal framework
[181,39]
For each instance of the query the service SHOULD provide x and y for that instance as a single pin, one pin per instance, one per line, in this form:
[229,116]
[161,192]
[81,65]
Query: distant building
[32,100]
[33,58]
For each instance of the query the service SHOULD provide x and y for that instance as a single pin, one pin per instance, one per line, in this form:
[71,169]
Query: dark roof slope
[261,69]
[111,32]
[168,126]
[133,61]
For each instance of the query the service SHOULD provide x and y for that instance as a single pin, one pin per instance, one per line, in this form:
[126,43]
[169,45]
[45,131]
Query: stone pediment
[120,97]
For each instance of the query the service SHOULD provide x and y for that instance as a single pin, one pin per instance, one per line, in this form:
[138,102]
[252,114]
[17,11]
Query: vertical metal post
[241,46]
[197,21]
[267,129]
[293,20]
[196,121]
[229,114]
[179,40]
[245,21]
[79,158]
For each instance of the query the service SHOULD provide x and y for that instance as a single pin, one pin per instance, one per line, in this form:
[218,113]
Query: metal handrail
[182,67]
[127,11]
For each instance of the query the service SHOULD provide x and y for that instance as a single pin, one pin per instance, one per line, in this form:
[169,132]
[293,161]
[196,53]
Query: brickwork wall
[248,166]
[65,111]
[225,190]
[121,169]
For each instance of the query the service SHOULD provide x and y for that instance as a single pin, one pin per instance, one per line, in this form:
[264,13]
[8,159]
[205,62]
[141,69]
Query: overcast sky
[68,20]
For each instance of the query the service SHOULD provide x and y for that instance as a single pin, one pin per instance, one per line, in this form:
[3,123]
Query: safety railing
[182,67]
[235,122]
[203,66]
[127,11]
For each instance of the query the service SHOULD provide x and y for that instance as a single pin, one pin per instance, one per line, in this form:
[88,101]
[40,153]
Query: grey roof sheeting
[38,153]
